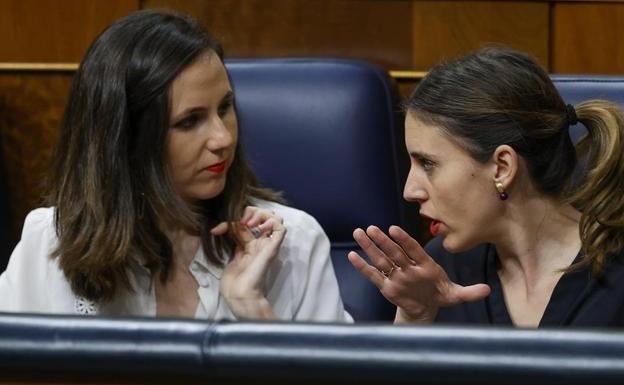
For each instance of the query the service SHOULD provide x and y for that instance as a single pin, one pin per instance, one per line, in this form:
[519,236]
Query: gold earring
[501,190]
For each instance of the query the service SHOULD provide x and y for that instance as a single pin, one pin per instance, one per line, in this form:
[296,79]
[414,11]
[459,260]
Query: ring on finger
[389,272]
[255,232]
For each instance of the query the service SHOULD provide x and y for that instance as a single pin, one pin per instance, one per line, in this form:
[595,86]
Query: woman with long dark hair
[154,210]
[525,234]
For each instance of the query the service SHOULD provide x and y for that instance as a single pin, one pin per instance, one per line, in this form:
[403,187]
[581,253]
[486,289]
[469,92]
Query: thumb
[219,229]
[472,293]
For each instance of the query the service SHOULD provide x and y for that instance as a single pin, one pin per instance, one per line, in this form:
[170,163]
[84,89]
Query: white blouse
[300,284]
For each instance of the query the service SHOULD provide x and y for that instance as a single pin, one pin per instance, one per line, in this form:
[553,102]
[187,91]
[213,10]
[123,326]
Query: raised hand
[407,276]
[261,232]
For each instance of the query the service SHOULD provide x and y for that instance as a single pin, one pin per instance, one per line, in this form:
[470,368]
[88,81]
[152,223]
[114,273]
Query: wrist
[421,318]
[255,308]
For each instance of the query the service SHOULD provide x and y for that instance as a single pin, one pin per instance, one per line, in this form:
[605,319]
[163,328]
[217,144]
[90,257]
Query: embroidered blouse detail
[85,307]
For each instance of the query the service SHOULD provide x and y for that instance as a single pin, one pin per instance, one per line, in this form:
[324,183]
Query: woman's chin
[454,245]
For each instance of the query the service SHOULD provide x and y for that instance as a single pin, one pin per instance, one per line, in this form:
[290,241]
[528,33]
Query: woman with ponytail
[524,235]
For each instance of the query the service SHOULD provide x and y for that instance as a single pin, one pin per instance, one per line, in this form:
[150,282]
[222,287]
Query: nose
[414,190]
[219,135]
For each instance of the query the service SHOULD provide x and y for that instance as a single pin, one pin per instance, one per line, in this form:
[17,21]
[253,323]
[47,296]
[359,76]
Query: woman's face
[453,189]
[203,132]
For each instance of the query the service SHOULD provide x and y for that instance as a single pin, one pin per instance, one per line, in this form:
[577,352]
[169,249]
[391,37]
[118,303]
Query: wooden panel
[445,29]
[377,31]
[588,38]
[31,107]
[53,30]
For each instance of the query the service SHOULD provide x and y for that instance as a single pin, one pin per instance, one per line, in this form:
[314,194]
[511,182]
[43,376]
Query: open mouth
[434,227]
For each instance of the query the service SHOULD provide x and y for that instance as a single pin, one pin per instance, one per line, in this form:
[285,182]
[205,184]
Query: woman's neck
[540,238]
[184,246]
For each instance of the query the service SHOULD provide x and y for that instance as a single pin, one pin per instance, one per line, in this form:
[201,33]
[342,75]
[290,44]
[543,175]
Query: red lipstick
[217,168]
[434,227]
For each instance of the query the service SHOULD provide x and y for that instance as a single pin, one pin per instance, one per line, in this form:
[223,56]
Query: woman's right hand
[407,276]
[242,282]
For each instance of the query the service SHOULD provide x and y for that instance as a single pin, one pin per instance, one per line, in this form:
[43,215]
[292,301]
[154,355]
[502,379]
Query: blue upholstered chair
[325,133]
[577,88]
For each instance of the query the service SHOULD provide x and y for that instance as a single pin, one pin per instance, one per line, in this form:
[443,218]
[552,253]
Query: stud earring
[501,191]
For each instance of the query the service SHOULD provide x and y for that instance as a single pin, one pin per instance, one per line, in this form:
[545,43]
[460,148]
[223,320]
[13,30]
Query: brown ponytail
[600,197]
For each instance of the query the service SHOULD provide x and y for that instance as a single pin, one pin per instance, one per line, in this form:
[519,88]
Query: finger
[219,229]
[271,225]
[260,216]
[248,212]
[244,233]
[471,293]
[411,247]
[273,244]
[278,235]
[377,257]
[368,271]
[388,247]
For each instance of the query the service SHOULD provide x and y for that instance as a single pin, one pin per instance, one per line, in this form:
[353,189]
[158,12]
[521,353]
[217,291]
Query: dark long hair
[498,96]
[109,180]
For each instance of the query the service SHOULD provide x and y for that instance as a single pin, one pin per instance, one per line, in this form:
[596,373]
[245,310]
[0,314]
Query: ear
[505,161]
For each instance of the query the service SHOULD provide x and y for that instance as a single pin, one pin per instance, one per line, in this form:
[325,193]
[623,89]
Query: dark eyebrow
[422,155]
[187,112]
[228,96]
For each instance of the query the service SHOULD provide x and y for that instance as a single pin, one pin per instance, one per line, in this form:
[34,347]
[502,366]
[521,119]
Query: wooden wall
[566,36]
[32,102]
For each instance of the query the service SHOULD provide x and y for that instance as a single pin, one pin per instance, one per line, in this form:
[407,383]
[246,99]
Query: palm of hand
[243,276]
[407,276]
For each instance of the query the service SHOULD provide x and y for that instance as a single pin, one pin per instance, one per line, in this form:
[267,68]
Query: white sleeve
[22,284]
[320,300]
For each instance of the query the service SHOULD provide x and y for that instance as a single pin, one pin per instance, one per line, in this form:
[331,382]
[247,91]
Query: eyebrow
[228,96]
[422,155]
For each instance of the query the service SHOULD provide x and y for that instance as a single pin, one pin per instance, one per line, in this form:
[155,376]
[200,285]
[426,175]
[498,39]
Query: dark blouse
[577,300]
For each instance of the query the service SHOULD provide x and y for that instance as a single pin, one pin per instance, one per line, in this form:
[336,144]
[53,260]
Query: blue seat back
[325,133]
[578,88]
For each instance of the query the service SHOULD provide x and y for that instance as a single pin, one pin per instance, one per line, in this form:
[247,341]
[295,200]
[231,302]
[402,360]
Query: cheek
[232,125]
[464,201]
[180,154]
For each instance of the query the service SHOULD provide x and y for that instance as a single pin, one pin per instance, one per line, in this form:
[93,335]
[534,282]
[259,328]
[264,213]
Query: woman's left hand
[261,232]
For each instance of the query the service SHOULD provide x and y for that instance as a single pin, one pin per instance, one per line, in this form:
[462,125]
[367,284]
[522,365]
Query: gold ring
[387,274]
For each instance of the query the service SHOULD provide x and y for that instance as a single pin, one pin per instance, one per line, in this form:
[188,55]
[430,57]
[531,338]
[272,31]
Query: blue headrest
[324,132]
[578,88]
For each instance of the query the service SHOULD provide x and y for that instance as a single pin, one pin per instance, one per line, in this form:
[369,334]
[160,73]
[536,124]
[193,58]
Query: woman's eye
[188,123]
[427,165]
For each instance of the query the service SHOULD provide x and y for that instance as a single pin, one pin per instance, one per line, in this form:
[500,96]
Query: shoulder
[38,238]
[39,222]
[33,279]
